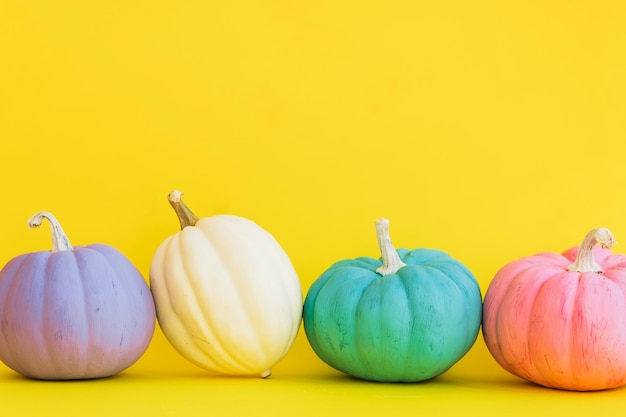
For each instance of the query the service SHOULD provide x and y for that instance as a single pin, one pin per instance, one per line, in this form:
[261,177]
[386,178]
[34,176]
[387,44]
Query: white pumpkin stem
[185,215]
[59,238]
[391,259]
[584,259]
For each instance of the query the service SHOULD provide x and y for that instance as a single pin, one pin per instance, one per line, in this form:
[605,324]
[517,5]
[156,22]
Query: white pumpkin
[227,296]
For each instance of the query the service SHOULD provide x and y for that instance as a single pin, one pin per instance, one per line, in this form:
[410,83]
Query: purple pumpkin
[73,312]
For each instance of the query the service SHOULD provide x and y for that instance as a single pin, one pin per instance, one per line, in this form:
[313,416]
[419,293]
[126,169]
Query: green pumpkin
[407,317]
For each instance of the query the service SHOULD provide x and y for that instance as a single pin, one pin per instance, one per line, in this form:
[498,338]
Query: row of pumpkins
[228,299]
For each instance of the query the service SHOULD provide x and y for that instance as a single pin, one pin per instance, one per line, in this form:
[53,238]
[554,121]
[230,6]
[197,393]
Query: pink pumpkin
[560,320]
[74,312]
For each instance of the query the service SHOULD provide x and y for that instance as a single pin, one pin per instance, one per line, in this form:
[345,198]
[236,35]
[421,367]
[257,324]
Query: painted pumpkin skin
[560,320]
[406,325]
[228,298]
[78,313]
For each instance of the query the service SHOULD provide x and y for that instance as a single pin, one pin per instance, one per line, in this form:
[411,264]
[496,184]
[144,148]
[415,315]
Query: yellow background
[488,129]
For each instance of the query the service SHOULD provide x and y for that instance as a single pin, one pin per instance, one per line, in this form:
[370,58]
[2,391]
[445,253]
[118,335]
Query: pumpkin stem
[59,238]
[584,259]
[185,215]
[391,259]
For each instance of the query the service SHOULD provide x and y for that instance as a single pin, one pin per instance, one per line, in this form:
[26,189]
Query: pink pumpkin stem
[391,260]
[59,238]
[584,259]
[185,215]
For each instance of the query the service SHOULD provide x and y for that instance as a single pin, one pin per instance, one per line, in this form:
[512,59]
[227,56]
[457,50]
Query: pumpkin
[227,296]
[73,312]
[560,320]
[406,317]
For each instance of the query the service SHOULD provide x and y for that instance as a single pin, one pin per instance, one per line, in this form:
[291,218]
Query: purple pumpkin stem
[584,259]
[185,215]
[59,238]
[391,259]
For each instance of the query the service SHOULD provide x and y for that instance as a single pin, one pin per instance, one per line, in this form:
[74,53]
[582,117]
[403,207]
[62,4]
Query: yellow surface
[488,129]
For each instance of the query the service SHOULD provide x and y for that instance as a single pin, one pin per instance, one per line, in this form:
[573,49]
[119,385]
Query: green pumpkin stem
[391,260]
[185,215]
[60,241]
[584,259]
